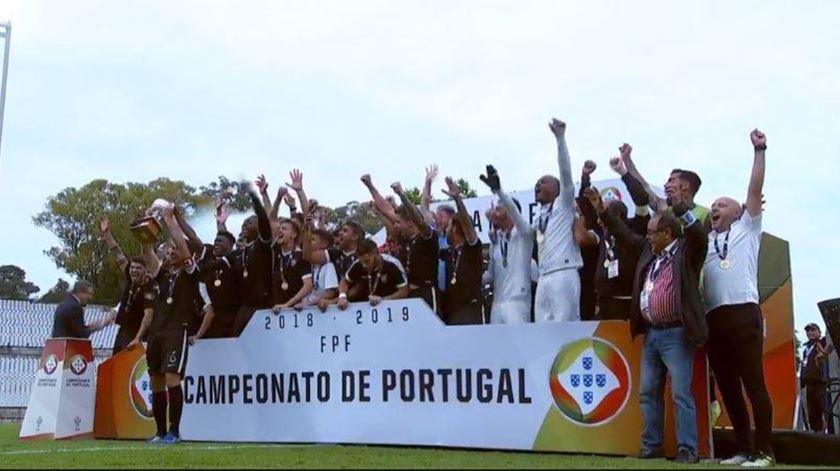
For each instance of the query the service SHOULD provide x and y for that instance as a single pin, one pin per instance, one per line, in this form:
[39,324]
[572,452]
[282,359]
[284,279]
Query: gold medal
[725,264]
[284,286]
[454,281]
[217,283]
[606,263]
[245,274]
[169,300]
[540,237]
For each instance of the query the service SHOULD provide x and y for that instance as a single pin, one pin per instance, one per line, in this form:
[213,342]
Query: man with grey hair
[69,319]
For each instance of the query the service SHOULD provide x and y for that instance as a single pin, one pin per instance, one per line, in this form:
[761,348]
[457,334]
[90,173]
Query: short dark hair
[448,209]
[356,227]
[326,236]
[667,220]
[138,259]
[82,286]
[227,235]
[367,247]
[691,178]
[294,224]
[812,326]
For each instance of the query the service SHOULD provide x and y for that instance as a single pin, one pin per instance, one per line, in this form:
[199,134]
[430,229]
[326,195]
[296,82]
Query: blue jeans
[665,351]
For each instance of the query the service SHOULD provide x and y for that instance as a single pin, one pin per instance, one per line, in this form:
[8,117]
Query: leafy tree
[13,284]
[233,192]
[57,293]
[466,189]
[73,216]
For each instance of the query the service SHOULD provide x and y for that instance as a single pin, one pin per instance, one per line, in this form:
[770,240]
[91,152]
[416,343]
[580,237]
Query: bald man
[558,288]
[736,334]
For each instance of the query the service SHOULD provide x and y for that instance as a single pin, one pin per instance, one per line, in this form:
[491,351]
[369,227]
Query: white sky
[131,91]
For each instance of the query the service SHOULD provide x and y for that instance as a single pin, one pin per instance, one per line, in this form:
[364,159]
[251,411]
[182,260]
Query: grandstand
[24,328]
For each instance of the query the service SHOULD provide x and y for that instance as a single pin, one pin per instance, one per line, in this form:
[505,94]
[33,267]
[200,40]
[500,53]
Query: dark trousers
[124,337]
[815,397]
[735,349]
[610,308]
[469,314]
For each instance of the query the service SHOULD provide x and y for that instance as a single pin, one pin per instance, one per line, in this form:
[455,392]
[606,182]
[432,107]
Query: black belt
[667,325]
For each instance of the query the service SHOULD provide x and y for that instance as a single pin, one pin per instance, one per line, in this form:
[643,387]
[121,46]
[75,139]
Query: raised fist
[589,167]
[759,140]
[557,127]
[367,180]
[625,151]
[618,166]
[397,187]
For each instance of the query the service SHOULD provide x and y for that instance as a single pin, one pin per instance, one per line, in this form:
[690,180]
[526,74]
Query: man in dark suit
[812,376]
[69,319]
[668,310]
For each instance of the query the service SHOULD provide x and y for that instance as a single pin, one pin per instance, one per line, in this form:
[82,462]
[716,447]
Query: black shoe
[687,457]
[648,454]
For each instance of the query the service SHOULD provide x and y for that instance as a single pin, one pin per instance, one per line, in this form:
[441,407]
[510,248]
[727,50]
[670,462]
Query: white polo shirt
[737,284]
[323,279]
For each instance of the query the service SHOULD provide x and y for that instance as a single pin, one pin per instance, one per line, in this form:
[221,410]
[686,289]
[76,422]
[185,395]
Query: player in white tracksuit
[510,258]
[558,289]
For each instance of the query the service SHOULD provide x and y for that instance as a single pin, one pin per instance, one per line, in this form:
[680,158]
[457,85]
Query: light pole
[6,34]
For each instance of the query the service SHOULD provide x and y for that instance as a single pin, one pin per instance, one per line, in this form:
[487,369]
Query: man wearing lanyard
[381,275]
[510,257]
[736,333]
[558,289]
[462,304]
[668,310]
[253,265]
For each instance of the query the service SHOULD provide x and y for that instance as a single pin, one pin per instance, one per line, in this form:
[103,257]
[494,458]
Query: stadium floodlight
[6,34]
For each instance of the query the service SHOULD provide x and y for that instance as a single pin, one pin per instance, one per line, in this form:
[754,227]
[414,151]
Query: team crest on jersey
[590,381]
[383,278]
[150,296]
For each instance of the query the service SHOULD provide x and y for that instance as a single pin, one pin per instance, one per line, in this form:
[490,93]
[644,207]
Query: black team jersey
[422,260]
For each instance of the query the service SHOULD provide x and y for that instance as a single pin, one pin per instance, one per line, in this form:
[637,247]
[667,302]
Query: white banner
[395,374]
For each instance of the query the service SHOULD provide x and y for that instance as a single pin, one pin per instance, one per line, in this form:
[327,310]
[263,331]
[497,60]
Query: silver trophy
[147,229]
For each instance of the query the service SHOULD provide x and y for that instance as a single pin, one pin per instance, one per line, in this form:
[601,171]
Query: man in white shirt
[510,257]
[324,277]
[558,289]
[736,334]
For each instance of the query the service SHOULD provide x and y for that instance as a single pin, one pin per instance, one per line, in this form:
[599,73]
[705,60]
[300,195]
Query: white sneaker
[736,460]
[760,460]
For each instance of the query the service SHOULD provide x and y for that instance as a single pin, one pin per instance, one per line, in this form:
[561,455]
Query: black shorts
[167,353]
[429,294]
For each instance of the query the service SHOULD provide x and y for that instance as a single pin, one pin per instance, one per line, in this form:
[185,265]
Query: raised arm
[194,242]
[153,263]
[176,233]
[262,218]
[696,235]
[618,228]
[416,217]
[463,216]
[222,215]
[754,194]
[655,201]
[262,185]
[382,205]
[426,197]
[589,168]
[113,246]
[297,185]
[567,186]
[492,181]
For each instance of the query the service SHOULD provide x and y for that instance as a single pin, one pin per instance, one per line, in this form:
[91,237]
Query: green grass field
[123,454]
